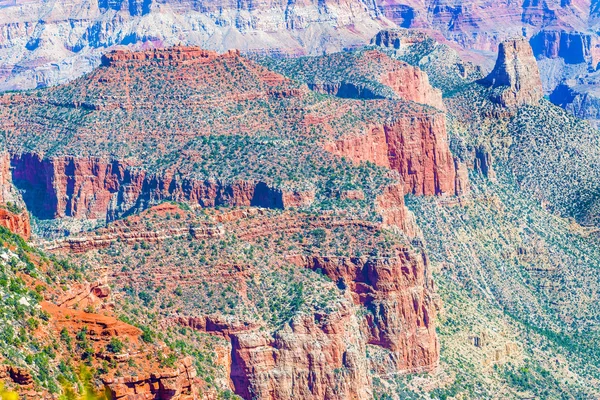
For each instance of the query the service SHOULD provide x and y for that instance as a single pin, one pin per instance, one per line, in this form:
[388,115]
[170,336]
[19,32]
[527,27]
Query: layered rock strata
[97,189]
[515,77]
[320,356]
[415,146]
[572,47]
[397,292]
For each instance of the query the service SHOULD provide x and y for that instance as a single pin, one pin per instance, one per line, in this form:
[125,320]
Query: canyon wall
[415,146]
[386,301]
[175,383]
[573,47]
[314,357]
[16,222]
[97,189]
[412,84]
[398,294]
[38,48]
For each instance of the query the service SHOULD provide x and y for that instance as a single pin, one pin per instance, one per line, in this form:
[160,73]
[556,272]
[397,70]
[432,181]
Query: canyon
[41,48]
[376,223]
[385,301]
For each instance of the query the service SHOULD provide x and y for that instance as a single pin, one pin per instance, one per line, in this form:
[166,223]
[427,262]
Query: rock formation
[515,78]
[16,223]
[398,295]
[484,163]
[174,384]
[415,146]
[412,84]
[20,376]
[320,356]
[42,49]
[366,74]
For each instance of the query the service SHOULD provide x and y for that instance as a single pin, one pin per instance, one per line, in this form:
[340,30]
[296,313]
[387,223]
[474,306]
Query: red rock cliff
[411,83]
[94,188]
[398,295]
[16,223]
[315,357]
[416,146]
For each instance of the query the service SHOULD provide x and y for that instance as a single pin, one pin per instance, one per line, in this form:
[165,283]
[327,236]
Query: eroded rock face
[484,161]
[515,76]
[97,189]
[384,301]
[395,213]
[314,357]
[415,146]
[56,49]
[399,297]
[16,223]
[359,75]
[412,84]
[175,55]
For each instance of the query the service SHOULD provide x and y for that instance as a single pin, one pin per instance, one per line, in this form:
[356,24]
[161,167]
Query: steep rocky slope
[344,293]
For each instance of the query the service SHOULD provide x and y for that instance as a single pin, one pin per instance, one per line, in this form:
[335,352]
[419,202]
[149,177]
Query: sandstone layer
[416,147]
[516,76]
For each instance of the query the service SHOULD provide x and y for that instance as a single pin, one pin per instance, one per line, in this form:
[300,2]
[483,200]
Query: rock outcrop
[314,357]
[16,222]
[398,294]
[515,78]
[174,384]
[173,55]
[484,161]
[411,83]
[368,74]
[391,207]
[20,376]
[415,146]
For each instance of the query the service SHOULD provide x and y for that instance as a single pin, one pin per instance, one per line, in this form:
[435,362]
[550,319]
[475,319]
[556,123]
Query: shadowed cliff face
[572,47]
[515,77]
[87,188]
